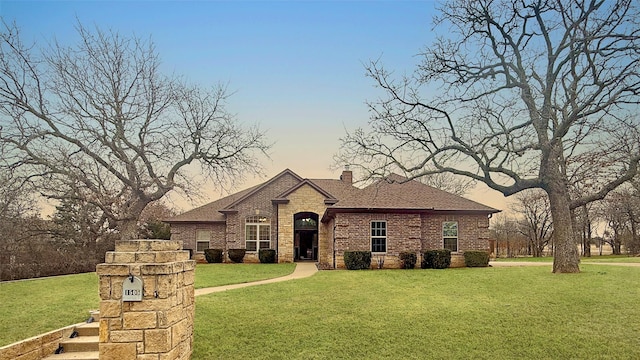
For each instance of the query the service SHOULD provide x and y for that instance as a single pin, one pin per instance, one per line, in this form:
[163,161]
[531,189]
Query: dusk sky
[296,67]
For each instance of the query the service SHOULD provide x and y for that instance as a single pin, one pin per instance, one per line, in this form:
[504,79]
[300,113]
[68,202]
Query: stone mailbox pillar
[159,324]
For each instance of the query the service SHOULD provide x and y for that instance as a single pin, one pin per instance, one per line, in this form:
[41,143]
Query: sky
[296,68]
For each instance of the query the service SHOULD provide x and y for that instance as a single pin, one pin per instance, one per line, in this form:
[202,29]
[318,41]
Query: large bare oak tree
[99,122]
[517,95]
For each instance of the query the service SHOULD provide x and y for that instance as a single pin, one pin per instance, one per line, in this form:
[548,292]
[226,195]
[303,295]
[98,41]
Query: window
[378,236]
[202,239]
[257,233]
[450,235]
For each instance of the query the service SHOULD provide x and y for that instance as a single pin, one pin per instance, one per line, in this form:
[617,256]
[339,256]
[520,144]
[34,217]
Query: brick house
[318,219]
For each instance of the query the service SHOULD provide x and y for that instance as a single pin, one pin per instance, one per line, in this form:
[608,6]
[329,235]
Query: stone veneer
[37,347]
[304,199]
[161,325]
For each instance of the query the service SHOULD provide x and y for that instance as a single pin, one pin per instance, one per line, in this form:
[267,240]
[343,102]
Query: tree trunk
[588,232]
[565,259]
[128,229]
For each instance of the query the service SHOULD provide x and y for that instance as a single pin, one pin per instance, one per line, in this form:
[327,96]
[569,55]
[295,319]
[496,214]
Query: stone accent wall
[304,199]
[161,325]
[37,347]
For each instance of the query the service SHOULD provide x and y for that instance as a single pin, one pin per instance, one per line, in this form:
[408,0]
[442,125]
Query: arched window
[257,233]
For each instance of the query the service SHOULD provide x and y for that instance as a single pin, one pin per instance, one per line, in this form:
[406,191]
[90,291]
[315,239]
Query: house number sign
[132,289]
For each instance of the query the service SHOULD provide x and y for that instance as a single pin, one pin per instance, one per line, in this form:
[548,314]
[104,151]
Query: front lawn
[481,313]
[209,275]
[32,307]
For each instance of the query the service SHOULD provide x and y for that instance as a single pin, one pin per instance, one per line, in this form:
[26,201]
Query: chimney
[347,175]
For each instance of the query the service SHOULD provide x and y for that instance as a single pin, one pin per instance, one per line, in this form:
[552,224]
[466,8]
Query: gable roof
[329,199]
[393,192]
[257,188]
[209,212]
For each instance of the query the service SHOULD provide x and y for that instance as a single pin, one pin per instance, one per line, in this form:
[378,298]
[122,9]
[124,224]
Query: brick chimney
[347,175]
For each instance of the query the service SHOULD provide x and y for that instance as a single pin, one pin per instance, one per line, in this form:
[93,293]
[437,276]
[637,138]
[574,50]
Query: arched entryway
[305,243]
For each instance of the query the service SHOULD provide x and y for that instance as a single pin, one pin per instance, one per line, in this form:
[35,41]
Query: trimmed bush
[476,258]
[436,259]
[408,259]
[236,255]
[213,255]
[267,256]
[357,260]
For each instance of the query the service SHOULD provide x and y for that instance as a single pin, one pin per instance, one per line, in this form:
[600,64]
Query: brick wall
[473,231]
[353,233]
[260,204]
[407,232]
[186,233]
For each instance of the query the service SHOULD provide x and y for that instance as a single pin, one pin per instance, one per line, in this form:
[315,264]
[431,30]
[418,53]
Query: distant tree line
[73,240]
[528,231]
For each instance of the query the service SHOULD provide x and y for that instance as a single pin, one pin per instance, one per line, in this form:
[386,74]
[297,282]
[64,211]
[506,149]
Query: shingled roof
[390,193]
[397,192]
[211,211]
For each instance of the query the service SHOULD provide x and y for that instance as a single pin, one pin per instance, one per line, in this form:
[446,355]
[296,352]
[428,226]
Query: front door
[305,236]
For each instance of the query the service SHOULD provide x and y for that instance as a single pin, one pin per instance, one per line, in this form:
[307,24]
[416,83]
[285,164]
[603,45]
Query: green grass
[611,258]
[481,313]
[32,307]
[209,275]
[594,258]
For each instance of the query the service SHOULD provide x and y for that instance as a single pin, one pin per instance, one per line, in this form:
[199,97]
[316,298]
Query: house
[318,219]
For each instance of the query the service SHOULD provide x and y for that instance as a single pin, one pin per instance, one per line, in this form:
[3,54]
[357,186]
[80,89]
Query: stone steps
[84,355]
[82,347]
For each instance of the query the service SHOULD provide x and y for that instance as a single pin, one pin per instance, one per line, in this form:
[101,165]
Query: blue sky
[296,67]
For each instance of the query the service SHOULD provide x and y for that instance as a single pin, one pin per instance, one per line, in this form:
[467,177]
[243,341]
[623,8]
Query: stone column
[160,326]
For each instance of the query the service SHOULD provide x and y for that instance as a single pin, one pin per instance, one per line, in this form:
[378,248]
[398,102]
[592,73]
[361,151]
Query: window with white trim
[203,237]
[257,233]
[450,235]
[378,236]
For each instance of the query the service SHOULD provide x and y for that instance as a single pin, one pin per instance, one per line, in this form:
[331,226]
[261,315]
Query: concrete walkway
[302,270]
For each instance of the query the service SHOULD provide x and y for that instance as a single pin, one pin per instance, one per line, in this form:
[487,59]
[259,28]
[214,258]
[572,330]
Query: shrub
[213,255]
[236,255]
[267,256]
[476,258]
[408,259]
[436,259]
[357,260]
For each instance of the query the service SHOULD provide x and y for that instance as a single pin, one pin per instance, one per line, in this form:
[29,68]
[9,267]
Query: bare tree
[100,122]
[510,241]
[450,183]
[621,211]
[517,95]
[536,224]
